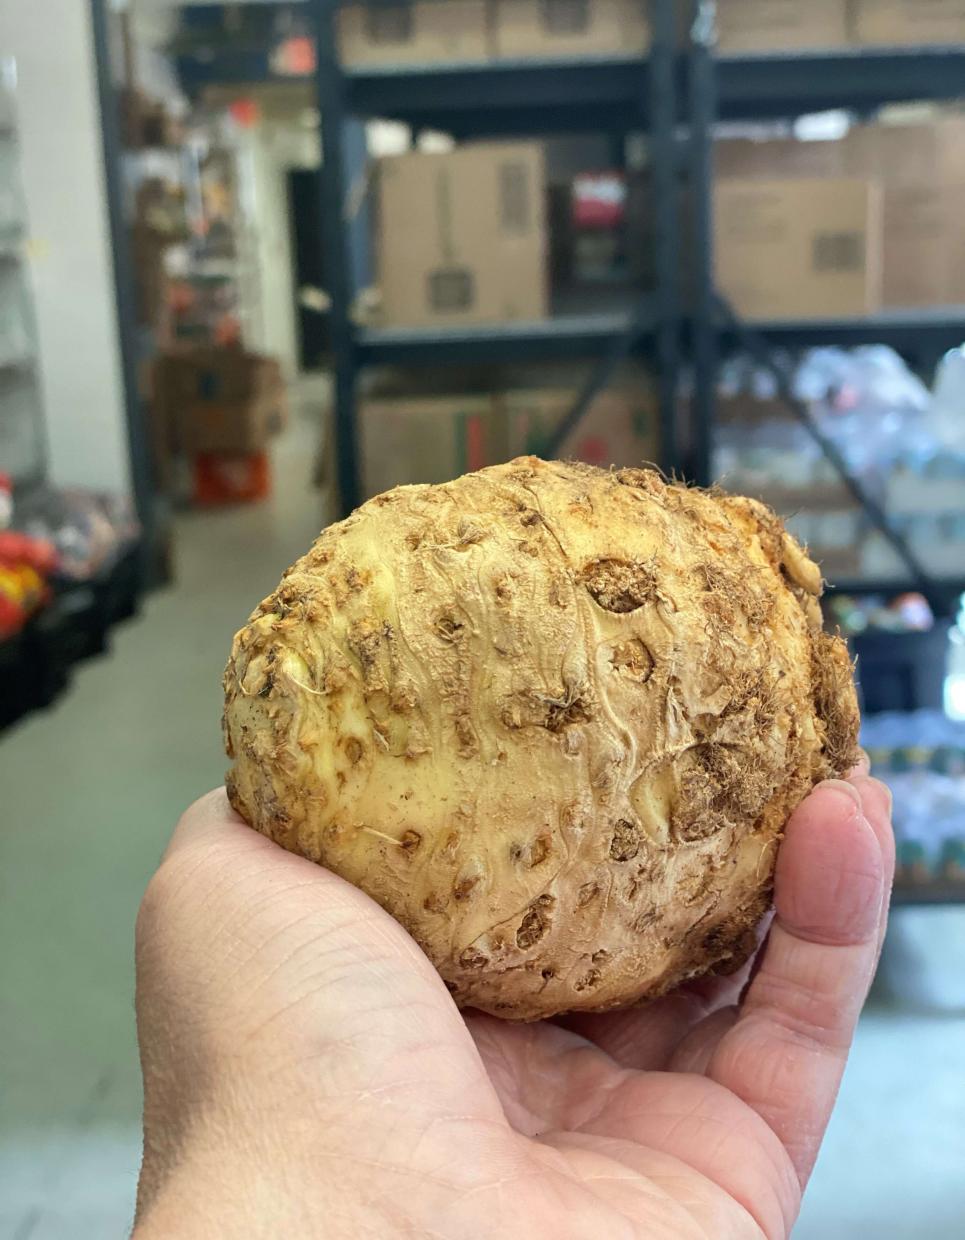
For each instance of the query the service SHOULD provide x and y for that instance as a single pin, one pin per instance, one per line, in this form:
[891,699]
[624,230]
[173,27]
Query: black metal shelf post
[664,110]
[702,110]
[138,439]
[495,99]
[331,102]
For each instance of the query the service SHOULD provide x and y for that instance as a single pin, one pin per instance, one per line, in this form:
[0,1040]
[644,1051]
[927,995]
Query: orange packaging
[221,479]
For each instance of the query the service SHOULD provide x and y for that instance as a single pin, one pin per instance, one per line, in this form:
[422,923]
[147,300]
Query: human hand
[306,1072]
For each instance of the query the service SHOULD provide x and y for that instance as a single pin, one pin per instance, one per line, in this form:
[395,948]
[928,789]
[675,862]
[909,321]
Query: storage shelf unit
[23,442]
[767,87]
[563,337]
[781,85]
[36,663]
[511,98]
[939,891]
[934,330]
[504,98]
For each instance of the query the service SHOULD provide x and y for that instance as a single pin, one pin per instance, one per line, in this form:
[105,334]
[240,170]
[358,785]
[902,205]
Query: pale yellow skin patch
[552,718]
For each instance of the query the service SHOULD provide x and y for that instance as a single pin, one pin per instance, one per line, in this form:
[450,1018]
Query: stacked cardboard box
[909,249]
[462,235]
[907,22]
[799,249]
[383,32]
[220,400]
[781,25]
[413,31]
[219,408]
[417,438]
[570,28]
[921,167]
[790,25]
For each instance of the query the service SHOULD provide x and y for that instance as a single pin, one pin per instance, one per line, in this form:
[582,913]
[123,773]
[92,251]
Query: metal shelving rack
[500,99]
[780,87]
[23,439]
[783,86]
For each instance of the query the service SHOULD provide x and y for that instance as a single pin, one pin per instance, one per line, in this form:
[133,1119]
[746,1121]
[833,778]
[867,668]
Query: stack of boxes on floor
[216,410]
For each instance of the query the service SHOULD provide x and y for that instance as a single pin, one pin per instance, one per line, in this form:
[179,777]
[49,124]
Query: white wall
[63,175]
[272,149]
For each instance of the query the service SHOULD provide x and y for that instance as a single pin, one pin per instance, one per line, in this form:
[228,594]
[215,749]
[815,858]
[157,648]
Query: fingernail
[845,789]
[875,795]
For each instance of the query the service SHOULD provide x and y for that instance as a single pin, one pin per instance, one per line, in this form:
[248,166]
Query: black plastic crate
[120,588]
[15,688]
[902,671]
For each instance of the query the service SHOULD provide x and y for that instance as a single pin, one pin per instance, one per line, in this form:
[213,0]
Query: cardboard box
[434,438]
[411,439]
[148,248]
[922,170]
[385,32]
[924,262]
[220,400]
[219,374]
[909,154]
[770,158]
[621,427]
[897,153]
[781,25]
[231,426]
[147,122]
[567,28]
[799,248]
[462,236]
[907,22]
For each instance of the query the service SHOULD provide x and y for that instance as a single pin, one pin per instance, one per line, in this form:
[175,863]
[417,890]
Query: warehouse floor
[88,795]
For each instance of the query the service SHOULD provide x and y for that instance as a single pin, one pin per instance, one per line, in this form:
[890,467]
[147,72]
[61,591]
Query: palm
[642,1130]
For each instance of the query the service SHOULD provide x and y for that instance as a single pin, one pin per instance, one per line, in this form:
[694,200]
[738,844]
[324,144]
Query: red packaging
[231,479]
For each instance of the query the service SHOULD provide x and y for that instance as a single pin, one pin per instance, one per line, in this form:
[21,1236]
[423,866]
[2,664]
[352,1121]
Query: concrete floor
[89,793]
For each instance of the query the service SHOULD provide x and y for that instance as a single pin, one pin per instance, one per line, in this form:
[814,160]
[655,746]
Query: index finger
[786,1053]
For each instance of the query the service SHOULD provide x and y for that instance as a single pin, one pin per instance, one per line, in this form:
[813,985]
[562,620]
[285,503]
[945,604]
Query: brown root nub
[619,585]
[449,628]
[625,843]
[834,703]
[588,893]
[634,659]
[531,929]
